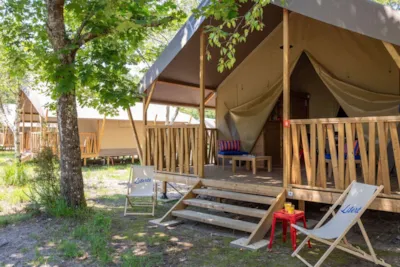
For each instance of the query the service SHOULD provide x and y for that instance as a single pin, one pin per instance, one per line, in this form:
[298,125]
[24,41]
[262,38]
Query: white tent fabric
[357,70]
[356,200]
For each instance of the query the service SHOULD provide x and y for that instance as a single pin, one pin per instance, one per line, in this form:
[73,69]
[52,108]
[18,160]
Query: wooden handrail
[175,148]
[347,120]
[344,144]
[174,126]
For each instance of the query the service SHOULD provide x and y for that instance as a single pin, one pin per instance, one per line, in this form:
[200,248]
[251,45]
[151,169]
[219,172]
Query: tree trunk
[70,161]
[70,154]
[175,115]
[167,109]
[17,141]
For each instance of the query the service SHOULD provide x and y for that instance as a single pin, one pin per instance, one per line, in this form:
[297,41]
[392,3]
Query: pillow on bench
[229,145]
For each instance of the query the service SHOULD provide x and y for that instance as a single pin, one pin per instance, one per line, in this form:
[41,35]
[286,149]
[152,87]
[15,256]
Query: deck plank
[215,220]
[235,196]
[252,212]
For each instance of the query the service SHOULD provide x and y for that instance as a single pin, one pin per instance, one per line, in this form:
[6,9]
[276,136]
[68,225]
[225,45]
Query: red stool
[285,217]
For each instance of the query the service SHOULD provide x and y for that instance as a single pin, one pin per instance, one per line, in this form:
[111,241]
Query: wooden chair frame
[152,203]
[341,242]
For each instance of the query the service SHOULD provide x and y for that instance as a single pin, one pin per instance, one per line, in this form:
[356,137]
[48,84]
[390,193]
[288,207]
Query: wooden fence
[35,142]
[88,144]
[7,140]
[372,143]
[174,148]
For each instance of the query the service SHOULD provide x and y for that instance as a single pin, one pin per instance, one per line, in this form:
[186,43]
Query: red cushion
[229,145]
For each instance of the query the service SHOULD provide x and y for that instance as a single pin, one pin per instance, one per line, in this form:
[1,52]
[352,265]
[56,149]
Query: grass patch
[14,218]
[129,259]
[15,195]
[14,174]
[96,231]
[69,249]
[6,156]
[61,209]
[118,172]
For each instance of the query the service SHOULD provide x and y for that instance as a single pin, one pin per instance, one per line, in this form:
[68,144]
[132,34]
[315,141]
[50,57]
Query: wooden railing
[318,142]
[211,146]
[174,149]
[24,139]
[6,140]
[88,144]
[51,140]
[35,142]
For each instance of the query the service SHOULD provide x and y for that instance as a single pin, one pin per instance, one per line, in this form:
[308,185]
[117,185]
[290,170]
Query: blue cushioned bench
[228,149]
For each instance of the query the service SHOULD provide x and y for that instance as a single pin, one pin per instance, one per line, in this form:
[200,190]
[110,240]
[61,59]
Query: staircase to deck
[203,204]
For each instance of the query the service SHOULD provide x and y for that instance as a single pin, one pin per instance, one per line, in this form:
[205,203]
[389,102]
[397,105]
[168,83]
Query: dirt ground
[36,240]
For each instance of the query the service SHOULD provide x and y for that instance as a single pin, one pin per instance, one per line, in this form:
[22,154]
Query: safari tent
[318,90]
[100,136]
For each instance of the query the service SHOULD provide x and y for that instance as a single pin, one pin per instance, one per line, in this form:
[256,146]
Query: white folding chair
[357,198]
[141,185]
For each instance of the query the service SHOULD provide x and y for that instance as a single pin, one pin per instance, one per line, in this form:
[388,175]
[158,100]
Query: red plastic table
[285,217]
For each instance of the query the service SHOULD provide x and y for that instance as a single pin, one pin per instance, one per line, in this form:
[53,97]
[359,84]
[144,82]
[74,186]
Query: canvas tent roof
[40,101]
[178,65]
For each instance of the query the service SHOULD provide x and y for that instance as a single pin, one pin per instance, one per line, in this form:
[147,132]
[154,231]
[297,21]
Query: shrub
[45,189]
[14,174]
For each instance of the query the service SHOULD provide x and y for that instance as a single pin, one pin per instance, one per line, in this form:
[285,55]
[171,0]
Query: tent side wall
[337,68]
[351,57]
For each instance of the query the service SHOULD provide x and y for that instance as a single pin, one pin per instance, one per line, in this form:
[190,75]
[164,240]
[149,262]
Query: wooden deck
[270,183]
[216,173]
[263,177]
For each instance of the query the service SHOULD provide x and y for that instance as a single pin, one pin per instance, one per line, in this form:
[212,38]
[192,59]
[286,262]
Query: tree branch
[153,23]
[87,37]
[84,23]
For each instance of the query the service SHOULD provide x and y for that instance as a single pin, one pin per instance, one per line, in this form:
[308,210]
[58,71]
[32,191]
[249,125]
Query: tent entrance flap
[246,121]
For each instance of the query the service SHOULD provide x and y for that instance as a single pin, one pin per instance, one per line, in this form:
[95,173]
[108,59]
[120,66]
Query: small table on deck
[251,159]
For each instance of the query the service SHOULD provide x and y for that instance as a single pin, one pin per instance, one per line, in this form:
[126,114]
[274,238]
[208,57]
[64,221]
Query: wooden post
[144,163]
[41,133]
[101,133]
[135,135]
[393,52]
[23,127]
[286,101]
[201,110]
[30,137]
[146,103]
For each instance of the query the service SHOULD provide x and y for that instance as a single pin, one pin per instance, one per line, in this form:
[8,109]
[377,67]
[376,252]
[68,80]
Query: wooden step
[215,220]
[225,207]
[235,196]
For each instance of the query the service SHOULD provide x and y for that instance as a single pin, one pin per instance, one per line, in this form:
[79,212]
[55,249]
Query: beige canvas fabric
[356,101]
[356,70]
[252,115]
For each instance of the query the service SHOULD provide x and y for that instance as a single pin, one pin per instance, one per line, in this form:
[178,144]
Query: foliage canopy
[101,35]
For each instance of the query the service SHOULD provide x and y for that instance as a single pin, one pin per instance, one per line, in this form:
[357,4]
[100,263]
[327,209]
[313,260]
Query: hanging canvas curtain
[356,101]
